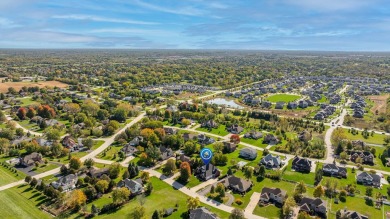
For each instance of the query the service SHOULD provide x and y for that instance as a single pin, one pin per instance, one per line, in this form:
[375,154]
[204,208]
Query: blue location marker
[206,155]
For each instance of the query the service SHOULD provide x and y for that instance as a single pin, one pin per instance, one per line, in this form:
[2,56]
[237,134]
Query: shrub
[238,201]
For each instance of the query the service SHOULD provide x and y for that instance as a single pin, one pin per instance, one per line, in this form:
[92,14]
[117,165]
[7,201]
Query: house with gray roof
[271,161]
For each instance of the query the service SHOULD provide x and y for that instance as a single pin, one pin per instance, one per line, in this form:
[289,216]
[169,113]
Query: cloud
[331,5]
[101,19]
[5,23]
[188,10]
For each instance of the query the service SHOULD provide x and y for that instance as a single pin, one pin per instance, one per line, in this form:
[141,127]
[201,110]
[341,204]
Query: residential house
[305,136]
[207,172]
[202,213]
[166,153]
[170,131]
[266,104]
[30,159]
[129,150]
[229,147]
[248,153]
[43,142]
[235,129]
[292,105]
[271,139]
[366,156]
[204,139]
[368,179]
[310,205]
[273,195]
[237,184]
[66,183]
[303,104]
[136,141]
[209,124]
[334,170]
[189,136]
[301,164]
[253,134]
[271,161]
[97,173]
[19,140]
[279,105]
[135,186]
[352,214]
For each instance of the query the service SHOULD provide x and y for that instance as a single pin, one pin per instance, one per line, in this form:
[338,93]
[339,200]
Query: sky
[326,25]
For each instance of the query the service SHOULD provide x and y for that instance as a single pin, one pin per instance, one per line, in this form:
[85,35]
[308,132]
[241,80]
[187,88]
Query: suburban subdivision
[119,134]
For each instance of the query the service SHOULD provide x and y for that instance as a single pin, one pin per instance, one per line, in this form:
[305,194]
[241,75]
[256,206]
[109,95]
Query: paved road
[9,118]
[108,142]
[328,136]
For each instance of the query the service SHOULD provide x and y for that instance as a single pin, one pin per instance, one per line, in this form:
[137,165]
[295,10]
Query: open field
[152,203]
[18,85]
[21,202]
[375,139]
[7,176]
[283,97]
[379,103]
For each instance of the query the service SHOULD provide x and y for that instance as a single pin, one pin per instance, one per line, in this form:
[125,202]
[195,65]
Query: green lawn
[45,167]
[27,101]
[289,174]
[283,97]
[269,211]
[112,153]
[31,126]
[21,202]
[254,142]
[7,176]
[322,100]
[193,181]
[221,130]
[163,196]
[376,139]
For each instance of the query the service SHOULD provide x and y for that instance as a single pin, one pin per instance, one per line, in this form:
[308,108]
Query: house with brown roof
[30,159]
[315,206]
[272,195]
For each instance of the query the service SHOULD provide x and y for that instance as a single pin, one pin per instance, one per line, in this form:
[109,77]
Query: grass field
[21,202]
[376,139]
[257,143]
[269,211]
[283,97]
[289,174]
[6,176]
[221,130]
[162,197]
[27,101]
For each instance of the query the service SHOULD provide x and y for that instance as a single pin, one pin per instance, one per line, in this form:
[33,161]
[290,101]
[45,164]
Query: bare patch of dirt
[18,85]
[379,103]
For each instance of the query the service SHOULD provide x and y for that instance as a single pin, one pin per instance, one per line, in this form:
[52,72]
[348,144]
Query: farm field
[18,85]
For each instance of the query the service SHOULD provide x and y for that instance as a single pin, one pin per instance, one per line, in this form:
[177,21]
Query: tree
[218,147]
[63,170]
[149,188]
[145,177]
[95,210]
[53,134]
[114,170]
[288,206]
[220,189]
[170,167]
[89,107]
[318,175]
[72,108]
[189,147]
[139,212]
[369,191]
[300,188]
[28,179]
[237,214]
[235,138]
[89,162]
[4,145]
[101,186]
[304,215]
[318,191]
[75,163]
[120,195]
[343,155]
[262,171]
[56,149]
[33,182]
[248,172]
[21,113]
[90,192]
[153,153]
[185,171]
[76,199]
[156,215]
[133,170]
[88,142]
[125,174]
[338,136]
[185,122]
[192,203]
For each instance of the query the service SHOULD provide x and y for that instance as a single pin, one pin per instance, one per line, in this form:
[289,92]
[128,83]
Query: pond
[228,103]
